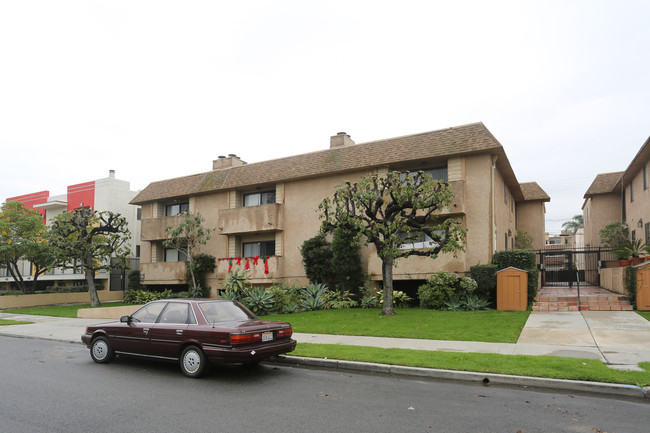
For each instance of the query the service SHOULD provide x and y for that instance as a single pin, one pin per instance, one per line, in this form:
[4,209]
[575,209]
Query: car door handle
[145,330]
[179,332]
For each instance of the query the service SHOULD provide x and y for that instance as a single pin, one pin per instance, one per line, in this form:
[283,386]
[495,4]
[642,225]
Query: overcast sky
[158,89]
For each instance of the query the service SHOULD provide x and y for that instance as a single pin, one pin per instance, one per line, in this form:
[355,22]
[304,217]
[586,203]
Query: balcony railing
[267,217]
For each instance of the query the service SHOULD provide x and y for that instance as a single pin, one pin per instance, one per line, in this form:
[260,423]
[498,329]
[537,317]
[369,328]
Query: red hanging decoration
[266,265]
[247,266]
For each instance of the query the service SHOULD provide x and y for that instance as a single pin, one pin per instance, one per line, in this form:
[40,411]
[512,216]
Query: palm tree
[573,224]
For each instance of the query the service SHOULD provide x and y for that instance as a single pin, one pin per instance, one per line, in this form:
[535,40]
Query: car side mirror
[125,319]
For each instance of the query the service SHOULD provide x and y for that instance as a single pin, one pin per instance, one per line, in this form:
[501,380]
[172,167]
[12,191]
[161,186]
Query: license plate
[267,336]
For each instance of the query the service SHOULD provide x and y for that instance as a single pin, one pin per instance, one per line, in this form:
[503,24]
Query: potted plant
[616,237]
[631,251]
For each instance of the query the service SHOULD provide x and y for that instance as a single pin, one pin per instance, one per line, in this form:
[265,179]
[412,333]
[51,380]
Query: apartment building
[107,194]
[261,213]
[620,196]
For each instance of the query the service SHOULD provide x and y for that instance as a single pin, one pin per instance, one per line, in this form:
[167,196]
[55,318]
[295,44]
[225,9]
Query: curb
[595,388]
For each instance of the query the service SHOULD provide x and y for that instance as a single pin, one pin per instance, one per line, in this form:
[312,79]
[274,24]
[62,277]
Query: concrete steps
[611,302]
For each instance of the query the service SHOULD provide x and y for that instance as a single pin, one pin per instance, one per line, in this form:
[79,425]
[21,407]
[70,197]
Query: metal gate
[563,267]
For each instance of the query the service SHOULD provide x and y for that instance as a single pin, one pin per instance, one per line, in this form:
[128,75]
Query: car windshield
[224,312]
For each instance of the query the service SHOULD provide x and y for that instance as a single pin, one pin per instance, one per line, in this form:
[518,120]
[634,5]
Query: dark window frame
[265,197]
[183,207]
[266,249]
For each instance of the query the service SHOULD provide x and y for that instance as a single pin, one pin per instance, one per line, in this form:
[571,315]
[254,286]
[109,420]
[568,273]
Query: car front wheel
[101,350]
[193,361]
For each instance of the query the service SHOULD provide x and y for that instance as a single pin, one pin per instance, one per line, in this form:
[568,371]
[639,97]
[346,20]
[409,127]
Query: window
[632,191]
[177,209]
[437,173]
[137,250]
[259,198]
[645,177]
[506,237]
[505,193]
[174,255]
[647,233]
[177,313]
[148,313]
[255,249]
[138,214]
[633,236]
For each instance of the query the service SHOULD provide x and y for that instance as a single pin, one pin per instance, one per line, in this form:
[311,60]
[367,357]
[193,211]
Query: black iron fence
[560,266]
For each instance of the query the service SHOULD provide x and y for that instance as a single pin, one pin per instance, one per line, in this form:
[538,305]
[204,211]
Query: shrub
[285,297]
[235,285]
[369,301]
[439,287]
[400,299]
[143,296]
[615,235]
[346,262]
[521,259]
[133,282]
[203,264]
[317,259]
[339,300]
[486,279]
[630,284]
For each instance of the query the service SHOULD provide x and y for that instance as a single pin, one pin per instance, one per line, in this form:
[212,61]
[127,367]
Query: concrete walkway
[619,338]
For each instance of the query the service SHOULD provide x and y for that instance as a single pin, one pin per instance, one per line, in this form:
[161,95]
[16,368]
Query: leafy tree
[615,235]
[346,261]
[573,224]
[317,259]
[22,237]
[88,239]
[391,211]
[187,237]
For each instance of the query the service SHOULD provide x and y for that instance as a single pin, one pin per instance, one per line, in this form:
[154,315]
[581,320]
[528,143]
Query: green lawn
[519,365]
[59,310]
[645,314]
[488,326]
[13,322]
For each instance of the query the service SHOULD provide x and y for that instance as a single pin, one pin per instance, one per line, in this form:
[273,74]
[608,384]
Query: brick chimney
[231,160]
[341,139]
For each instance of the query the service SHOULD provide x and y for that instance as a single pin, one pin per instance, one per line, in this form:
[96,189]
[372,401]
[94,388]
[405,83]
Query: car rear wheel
[101,350]
[193,361]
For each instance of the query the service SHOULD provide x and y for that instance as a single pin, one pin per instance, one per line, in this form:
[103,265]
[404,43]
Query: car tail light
[245,338]
[284,333]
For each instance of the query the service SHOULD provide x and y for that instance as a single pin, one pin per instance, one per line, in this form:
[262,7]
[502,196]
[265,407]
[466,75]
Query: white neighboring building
[107,194]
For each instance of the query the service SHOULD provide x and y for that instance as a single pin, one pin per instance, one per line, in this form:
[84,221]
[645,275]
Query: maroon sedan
[193,332]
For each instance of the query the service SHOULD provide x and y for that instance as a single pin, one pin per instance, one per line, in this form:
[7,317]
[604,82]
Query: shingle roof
[603,184]
[532,191]
[466,139]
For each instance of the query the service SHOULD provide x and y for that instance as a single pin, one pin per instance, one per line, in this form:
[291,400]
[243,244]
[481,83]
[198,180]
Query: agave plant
[630,249]
[454,303]
[258,300]
[474,303]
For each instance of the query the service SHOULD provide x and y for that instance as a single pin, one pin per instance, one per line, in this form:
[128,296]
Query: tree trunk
[387,275]
[17,276]
[90,280]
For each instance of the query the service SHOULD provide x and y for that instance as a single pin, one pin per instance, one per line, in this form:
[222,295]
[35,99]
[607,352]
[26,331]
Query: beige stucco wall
[639,209]
[599,211]
[530,219]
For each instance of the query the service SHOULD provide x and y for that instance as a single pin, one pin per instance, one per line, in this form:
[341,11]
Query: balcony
[163,272]
[155,228]
[253,219]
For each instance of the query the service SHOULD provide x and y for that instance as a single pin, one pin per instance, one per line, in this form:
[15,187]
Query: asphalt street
[50,386]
